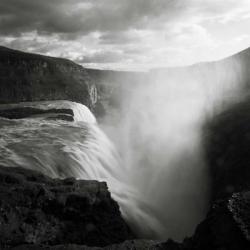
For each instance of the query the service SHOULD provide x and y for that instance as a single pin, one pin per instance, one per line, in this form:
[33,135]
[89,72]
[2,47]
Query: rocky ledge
[37,210]
[38,213]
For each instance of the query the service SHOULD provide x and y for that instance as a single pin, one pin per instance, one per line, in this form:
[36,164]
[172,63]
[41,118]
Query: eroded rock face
[30,77]
[35,209]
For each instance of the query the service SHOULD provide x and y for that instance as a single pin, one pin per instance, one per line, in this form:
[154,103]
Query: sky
[127,34]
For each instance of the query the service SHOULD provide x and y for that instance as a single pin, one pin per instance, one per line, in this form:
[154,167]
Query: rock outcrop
[31,77]
[227,144]
[35,209]
[225,227]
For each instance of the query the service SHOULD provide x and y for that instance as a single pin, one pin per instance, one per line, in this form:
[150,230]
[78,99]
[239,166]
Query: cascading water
[59,148]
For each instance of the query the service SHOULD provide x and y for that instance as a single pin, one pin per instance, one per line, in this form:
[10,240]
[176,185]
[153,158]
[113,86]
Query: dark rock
[239,205]
[25,112]
[225,227]
[32,77]
[35,209]
[227,145]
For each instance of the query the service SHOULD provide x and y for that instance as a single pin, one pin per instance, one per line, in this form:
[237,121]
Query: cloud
[101,56]
[81,16]
[125,32]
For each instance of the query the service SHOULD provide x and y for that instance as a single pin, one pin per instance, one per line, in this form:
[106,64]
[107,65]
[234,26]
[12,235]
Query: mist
[158,130]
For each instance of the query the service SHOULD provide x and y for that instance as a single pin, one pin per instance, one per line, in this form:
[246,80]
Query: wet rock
[35,209]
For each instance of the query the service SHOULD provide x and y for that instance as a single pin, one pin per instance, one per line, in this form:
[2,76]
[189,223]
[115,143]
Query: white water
[59,148]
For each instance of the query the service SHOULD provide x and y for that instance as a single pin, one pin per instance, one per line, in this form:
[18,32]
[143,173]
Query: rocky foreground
[36,209]
[37,212]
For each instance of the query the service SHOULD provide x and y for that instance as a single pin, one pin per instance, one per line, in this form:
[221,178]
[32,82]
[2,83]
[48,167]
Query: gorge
[165,156]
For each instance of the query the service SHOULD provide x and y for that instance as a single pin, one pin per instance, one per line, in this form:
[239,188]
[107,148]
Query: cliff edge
[33,77]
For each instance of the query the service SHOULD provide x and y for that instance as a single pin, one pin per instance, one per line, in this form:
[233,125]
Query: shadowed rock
[225,227]
[227,146]
[35,209]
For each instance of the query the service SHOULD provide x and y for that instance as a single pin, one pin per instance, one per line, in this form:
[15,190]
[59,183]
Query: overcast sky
[127,34]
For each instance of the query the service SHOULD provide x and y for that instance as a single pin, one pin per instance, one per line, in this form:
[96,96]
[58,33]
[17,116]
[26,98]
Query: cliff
[32,77]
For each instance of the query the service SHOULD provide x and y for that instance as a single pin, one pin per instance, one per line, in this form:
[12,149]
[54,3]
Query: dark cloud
[126,31]
[18,16]
[81,16]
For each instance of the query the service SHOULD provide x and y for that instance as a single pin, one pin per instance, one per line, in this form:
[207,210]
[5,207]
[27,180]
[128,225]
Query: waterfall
[157,170]
[59,148]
